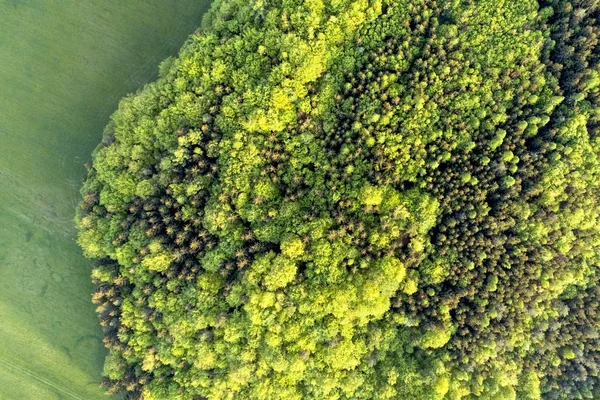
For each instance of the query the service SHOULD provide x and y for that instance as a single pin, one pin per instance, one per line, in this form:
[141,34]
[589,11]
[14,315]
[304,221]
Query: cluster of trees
[356,199]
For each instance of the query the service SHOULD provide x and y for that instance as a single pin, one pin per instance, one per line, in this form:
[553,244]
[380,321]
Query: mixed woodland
[356,199]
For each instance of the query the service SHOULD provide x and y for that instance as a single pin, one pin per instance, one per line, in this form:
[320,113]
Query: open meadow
[64,65]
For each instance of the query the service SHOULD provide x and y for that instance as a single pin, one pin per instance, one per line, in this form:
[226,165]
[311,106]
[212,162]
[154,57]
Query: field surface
[63,67]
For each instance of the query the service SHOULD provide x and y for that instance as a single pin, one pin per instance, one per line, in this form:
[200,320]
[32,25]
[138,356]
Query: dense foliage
[356,199]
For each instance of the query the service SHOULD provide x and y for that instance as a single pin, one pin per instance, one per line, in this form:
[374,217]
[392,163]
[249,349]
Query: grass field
[64,64]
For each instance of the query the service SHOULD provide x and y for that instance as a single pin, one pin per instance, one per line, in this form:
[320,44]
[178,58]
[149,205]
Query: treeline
[356,200]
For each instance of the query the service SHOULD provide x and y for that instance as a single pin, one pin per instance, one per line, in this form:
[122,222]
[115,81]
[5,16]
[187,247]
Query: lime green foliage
[435,338]
[353,200]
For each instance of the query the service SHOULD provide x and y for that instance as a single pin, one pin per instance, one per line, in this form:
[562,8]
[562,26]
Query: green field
[63,67]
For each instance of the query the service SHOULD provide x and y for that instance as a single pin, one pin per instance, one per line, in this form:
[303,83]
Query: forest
[356,199]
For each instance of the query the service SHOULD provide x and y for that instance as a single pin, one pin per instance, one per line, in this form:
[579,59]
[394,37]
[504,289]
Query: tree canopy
[356,199]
